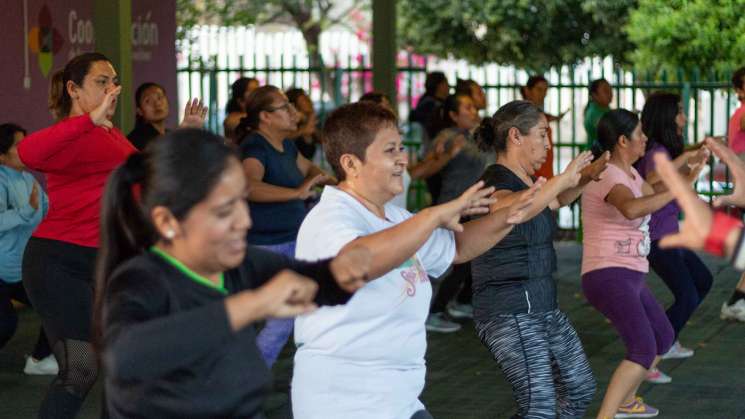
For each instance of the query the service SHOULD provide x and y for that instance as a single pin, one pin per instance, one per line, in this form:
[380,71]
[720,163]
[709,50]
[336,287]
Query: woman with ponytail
[456,120]
[514,292]
[76,154]
[281,179]
[615,215]
[178,290]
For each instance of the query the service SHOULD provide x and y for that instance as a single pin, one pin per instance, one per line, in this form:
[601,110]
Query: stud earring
[170,234]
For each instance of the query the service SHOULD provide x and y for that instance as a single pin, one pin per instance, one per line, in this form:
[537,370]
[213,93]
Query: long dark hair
[658,122]
[492,134]
[433,80]
[60,102]
[237,90]
[611,126]
[178,171]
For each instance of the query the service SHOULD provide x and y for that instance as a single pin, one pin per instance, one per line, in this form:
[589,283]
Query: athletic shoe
[437,322]
[46,366]
[460,311]
[657,377]
[735,311]
[637,409]
[678,351]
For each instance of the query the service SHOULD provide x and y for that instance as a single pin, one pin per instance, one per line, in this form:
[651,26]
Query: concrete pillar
[113,23]
[384,47]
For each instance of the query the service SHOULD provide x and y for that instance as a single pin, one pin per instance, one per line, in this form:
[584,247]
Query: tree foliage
[688,34]
[531,34]
[311,17]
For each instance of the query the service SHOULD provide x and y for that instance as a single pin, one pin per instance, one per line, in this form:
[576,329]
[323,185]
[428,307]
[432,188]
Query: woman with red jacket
[76,154]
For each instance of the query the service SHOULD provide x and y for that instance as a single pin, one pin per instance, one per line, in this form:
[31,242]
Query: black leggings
[58,277]
[9,318]
[686,276]
[457,282]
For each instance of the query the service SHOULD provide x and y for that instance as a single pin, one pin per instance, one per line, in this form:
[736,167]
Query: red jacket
[77,157]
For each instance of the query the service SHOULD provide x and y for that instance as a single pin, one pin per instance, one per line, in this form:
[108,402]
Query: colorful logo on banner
[45,41]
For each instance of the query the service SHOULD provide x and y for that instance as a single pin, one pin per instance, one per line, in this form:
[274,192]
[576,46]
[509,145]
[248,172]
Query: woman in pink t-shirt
[615,214]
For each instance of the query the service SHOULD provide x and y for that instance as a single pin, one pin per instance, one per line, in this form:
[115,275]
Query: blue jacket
[18,219]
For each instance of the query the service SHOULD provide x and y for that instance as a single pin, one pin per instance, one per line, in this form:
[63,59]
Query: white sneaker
[460,311]
[656,376]
[438,323]
[735,311]
[46,366]
[678,351]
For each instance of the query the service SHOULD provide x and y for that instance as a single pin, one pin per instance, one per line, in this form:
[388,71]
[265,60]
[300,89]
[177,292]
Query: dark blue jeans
[687,278]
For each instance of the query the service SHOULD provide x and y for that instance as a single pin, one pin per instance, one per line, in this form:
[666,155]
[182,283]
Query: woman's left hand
[351,268]
[195,114]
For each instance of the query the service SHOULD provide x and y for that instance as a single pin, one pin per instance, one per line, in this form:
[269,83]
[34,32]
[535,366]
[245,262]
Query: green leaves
[535,35]
[692,35]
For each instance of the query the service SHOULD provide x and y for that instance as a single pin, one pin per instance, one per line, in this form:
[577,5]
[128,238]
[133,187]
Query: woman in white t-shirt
[365,359]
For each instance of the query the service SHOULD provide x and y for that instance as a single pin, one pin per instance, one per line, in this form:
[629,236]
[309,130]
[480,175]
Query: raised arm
[547,195]
[411,234]
[260,191]
[54,148]
[482,234]
[310,171]
[140,336]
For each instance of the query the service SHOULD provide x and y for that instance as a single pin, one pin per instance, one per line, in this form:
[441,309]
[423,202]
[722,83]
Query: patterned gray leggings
[541,356]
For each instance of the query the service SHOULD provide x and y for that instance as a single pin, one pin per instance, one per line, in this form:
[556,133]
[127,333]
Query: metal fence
[207,72]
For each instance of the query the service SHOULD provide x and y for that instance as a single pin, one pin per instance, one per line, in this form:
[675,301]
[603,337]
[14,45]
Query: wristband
[721,226]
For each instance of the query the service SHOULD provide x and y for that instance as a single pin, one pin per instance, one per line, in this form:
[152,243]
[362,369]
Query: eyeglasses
[287,106]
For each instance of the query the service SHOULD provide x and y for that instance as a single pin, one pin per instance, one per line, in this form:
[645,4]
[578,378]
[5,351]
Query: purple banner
[40,36]
[154,48]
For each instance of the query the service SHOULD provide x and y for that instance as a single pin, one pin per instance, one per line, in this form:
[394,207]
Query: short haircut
[351,129]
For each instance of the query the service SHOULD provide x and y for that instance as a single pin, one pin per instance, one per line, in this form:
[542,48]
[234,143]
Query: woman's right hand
[33,199]
[305,190]
[287,294]
[475,200]
[100,115]
[573,172]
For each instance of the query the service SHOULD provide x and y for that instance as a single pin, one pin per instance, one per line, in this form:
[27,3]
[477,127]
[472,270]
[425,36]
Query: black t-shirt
[515,276]
[275,222]
[168,349]
[142,135]
[306,149]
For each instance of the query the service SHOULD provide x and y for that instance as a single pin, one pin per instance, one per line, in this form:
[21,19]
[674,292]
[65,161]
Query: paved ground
[463,382]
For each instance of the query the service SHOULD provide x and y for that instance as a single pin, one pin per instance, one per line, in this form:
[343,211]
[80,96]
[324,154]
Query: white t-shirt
[364,359]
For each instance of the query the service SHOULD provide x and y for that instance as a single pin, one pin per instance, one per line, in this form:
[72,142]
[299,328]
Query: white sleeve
[326,230]
[438,252]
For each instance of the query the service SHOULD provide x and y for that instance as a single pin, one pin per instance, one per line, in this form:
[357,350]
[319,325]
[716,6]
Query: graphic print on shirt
[413,273]
[623,247]
[645,244]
